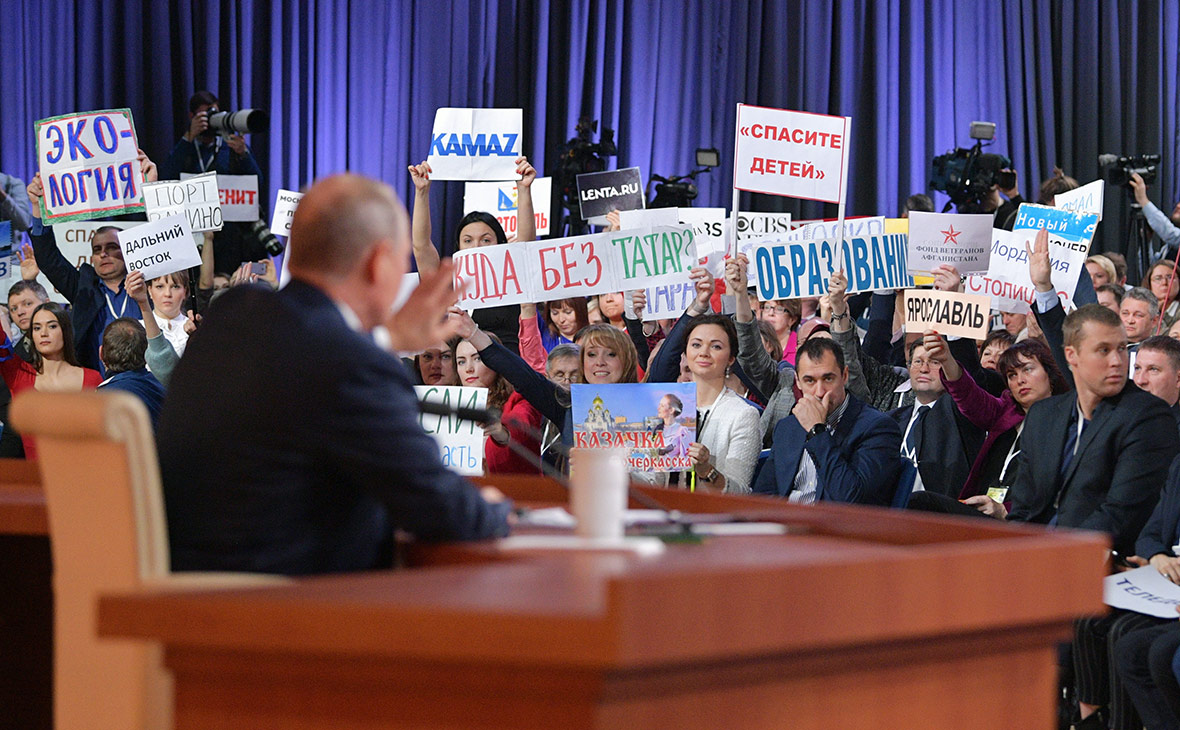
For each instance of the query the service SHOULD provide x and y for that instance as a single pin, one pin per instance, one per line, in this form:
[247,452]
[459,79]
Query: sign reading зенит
[89,166]
[475,144]
[796,154]
[948,313]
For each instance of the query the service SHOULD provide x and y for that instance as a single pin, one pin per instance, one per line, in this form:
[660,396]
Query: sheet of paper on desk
[1142,590]
[560,517]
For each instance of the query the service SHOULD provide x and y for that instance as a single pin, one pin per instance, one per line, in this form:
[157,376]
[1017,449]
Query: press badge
[998,494]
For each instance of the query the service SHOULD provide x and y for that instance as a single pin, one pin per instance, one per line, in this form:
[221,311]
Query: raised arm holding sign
[475,144]
[88,165]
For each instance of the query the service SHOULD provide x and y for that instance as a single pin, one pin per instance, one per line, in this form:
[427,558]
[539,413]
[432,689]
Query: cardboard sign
[1142,590]
[196,197]
[1089,198]
[668,302]
[285,204]
[499,199]
[601,192]
[160,247]
[1070,236]
[796,154]
[475,144]
[541,271]
[641,217]
[948,313]
[853,228]
[89,166]
[460,443]
[800,269]
[639,417]
[963,241]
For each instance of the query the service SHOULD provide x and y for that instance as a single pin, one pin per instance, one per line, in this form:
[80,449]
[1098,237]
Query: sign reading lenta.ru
[601,192]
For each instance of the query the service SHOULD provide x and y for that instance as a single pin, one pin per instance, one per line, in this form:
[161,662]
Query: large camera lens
[244,121]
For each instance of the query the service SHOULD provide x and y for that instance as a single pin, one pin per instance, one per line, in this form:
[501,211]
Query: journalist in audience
[1166,288]
[55,367]
[474,230]
[95,289]
[124,347]
[1120,268]
[1111,296]
[994,345]
[289,441]
[1157,370]
[23,297]
[1138,312]
[436,365]
[517,422]
[1101,270]
[1163,225]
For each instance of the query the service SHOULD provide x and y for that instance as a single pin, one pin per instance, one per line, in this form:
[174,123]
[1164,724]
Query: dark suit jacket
[947,445]
[82,288]
[290,444]
[1113,481]
[1162,530]
[857,463]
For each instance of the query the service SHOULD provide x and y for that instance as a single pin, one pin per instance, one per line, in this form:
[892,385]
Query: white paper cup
[598,496]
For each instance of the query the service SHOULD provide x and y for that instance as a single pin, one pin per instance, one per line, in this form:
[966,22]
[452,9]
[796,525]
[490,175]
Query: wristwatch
[817,429]
[711,475]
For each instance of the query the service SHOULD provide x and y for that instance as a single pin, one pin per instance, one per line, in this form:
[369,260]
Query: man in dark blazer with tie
[289,441]
[833,446]
[1102,451]
[938,439]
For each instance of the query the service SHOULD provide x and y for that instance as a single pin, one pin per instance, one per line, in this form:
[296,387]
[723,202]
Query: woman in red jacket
[519,421]
[55,366]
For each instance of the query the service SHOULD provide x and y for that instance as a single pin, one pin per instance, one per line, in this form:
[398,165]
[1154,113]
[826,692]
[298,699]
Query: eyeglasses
[1160,278]
[773,308]
[919,363]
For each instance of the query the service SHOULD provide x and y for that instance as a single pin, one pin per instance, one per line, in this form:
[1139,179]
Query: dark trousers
[942,504]
[1143,659]
[1093,652]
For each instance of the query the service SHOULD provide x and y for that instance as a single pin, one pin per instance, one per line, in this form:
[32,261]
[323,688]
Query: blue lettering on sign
[482,145]
[504,202]
[74,139]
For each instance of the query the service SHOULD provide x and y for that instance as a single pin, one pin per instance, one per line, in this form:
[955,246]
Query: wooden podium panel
[863,618]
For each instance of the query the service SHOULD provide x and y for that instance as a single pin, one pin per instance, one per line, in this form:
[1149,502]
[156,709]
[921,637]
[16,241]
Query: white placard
[756,227]
[196,197]
[642,217]
[89,166]
[460,443]
[1142,590]
[961,240]
[791,153]
[160,247]
[285,204]
[500,198]
[668,302]
[1086,199]
[239,196]
[475,144]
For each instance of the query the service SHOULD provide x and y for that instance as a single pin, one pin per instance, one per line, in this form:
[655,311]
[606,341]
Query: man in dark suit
[833,446]
[289,441]
[1157,370]
[1103,450]
[124,352]
[936,438]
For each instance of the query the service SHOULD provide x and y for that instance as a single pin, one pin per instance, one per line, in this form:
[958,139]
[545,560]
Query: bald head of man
[350,237]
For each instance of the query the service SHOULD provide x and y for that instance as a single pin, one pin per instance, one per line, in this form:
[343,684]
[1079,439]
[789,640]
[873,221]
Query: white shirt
[173,330]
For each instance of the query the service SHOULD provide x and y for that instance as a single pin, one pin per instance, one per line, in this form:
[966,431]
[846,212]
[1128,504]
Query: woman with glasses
[1166,289]
[784,316]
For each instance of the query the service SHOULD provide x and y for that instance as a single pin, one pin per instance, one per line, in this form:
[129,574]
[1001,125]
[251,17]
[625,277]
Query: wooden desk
[870,619]
[26,600]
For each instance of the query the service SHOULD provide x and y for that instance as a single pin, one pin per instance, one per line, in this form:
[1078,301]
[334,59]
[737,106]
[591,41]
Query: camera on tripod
[1118,170]
[967,175]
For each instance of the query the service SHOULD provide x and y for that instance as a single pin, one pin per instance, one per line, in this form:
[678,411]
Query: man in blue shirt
[123,352]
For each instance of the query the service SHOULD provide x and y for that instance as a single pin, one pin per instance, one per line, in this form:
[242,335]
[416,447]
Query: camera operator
[203,150]
[1164,226]
[991,202]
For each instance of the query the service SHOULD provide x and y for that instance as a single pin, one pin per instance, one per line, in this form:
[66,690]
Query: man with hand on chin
[833,446]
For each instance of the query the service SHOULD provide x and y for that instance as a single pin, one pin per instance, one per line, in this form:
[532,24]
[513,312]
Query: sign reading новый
[948,313]
[796,154]
[89,166]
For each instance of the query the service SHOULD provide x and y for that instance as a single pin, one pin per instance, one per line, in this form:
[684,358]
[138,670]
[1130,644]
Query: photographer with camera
[213,143]
[1164,226]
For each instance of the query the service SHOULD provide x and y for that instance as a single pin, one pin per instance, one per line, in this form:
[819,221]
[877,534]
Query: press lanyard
[201,158]
[1012,453]
[111,304]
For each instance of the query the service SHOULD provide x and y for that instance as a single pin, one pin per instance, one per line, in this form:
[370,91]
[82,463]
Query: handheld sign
[285,203]
[1089,198]
[654,422]
[6,237]
[640,217]
[541,271]
[800,269]
[89,166]
[1142,590]
[197,198]
[796,154]
[601,192]
[160,247]
[460,443]
[963,241]
[669,301]
[753,228]
[475,144]
[500,199]
[1070,236]
[948,313]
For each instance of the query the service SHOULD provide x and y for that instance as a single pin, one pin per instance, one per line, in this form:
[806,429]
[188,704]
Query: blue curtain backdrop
[354,84]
